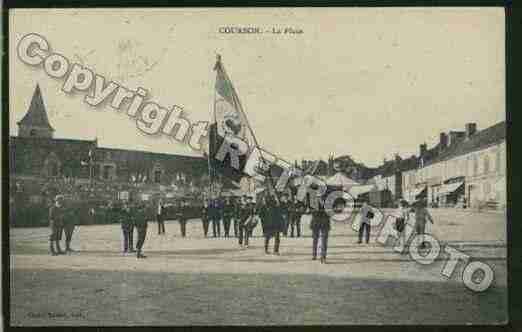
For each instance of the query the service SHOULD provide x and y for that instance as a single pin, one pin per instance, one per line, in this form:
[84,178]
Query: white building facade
[474,170]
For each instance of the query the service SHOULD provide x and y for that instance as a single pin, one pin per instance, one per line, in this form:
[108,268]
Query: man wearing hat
[56,221]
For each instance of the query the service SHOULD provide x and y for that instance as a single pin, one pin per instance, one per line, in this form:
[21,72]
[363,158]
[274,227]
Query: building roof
[36,114]
[480,140]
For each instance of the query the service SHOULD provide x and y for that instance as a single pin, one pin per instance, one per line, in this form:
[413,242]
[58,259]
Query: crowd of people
[237,216]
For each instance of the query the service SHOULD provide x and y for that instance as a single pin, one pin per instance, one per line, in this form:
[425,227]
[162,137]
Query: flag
[231,140]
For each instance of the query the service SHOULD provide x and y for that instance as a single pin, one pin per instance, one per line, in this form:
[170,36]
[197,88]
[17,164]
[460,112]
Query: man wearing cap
[215,216]
[56,221]
[122,214]
[367,215]
[245,214]
[320,226]
[205,217]
[140,222]
[236,214]
[182,214]
[159,218]
[228,213]
[69,225]
[251,222]
[421,217]
[296,212]
[274,223]
[285,207]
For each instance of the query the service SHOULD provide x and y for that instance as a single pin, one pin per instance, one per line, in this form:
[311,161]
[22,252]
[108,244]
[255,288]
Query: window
[486,164]
[498,160]
[157,176]
[475,165]
[32,132]
[487,189]
[106,172]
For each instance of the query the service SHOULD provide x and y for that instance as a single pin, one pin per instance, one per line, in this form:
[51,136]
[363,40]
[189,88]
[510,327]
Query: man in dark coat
[205,217]
[236,215]
[297,209]
[140,221]
[252,222]
[285,212]
[69,224]
[122,214]
[215,216]
[228,214]
[159,218]
[57,215]
[182,216]
[320,226]
[262,212]
[274,222]
[245,221]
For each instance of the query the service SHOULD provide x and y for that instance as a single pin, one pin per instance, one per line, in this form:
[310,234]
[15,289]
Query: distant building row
[466,168]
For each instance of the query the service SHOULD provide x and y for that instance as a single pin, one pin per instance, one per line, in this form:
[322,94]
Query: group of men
[232,212]
[179,210]
[275,214]
[61,219]
[130,215]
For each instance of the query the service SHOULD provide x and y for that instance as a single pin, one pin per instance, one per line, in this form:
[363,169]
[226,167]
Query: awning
[449,188]
[359,190]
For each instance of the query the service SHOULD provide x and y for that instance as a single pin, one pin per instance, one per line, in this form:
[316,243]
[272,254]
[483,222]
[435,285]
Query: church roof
[36,115]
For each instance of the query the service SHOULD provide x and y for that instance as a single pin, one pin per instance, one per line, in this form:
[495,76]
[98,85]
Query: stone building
[36,154]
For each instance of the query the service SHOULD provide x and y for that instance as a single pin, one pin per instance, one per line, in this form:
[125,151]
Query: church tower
[35,122]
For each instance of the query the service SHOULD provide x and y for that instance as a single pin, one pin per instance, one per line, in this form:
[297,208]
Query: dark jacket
[320,219]
[182,212]
[140,216]
[246,213]
[214,210]
[228,210]
[57,215]
[273,221]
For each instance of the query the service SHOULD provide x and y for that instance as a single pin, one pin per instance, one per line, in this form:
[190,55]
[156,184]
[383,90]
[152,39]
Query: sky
[368,82]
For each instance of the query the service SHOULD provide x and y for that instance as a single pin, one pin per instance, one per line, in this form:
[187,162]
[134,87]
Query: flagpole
[238,102]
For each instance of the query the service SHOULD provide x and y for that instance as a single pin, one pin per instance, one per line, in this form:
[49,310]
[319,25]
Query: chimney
[471,129]
[422,149]
[443,141]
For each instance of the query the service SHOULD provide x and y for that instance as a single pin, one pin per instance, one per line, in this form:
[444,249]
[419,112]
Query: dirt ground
[208,281]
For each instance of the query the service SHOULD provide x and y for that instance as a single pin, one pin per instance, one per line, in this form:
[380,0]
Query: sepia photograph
[257,166]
